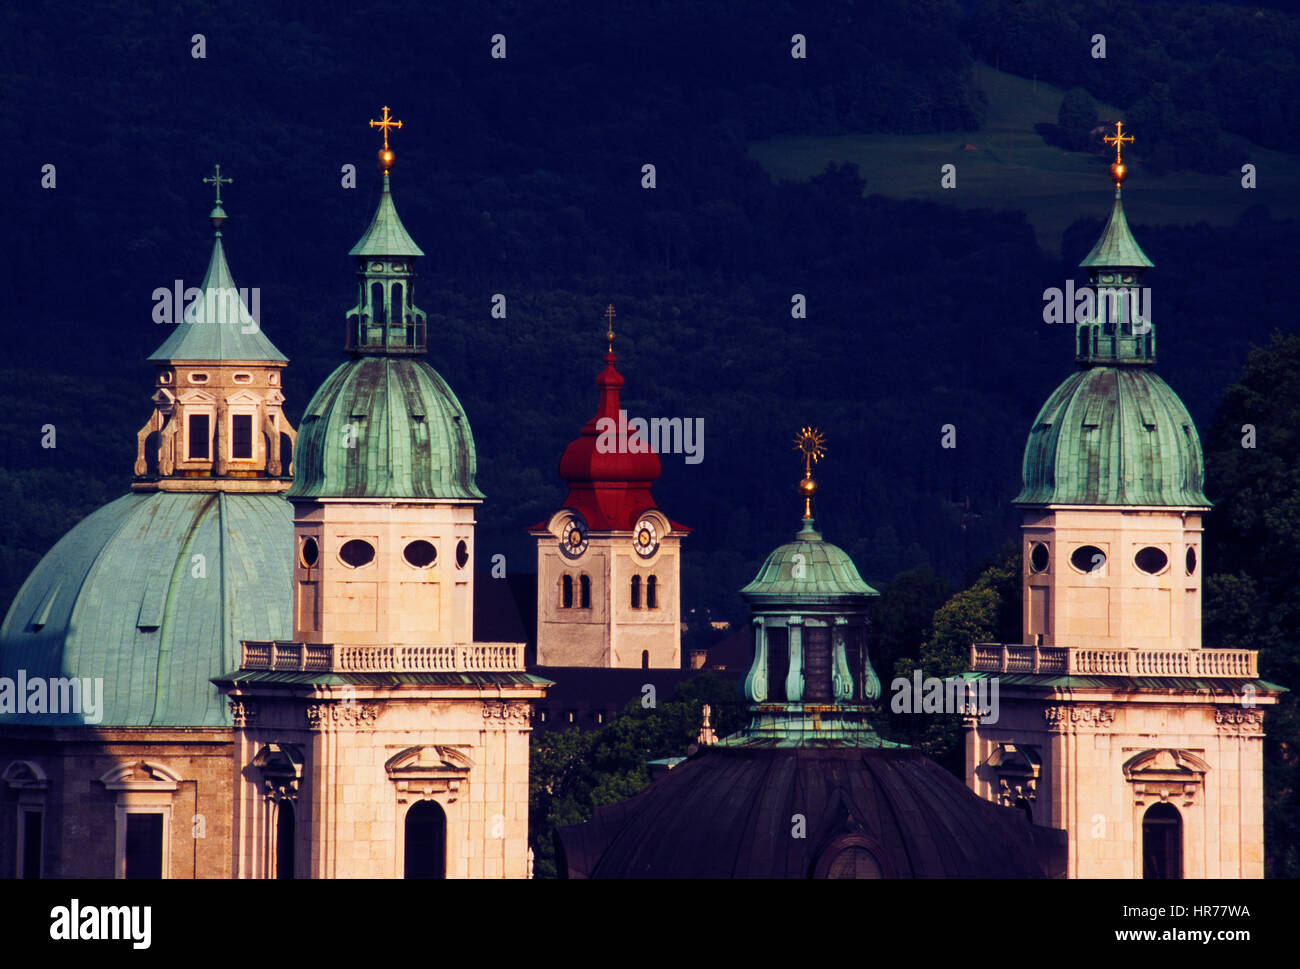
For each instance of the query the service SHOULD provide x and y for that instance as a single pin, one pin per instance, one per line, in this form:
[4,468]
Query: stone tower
[609,560]
[1115,723]
[383,741]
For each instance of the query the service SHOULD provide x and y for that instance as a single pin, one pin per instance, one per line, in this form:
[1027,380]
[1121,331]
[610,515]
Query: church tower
[383,741]
[609,561]
[1115,723]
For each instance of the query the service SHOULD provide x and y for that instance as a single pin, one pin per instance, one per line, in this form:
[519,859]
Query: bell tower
[408,740]
[609,560]
[1116,724]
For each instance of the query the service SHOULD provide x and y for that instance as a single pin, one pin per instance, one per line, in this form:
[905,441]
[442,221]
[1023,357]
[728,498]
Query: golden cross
[217,180]
[1118,140]
[609,316]
[386,123]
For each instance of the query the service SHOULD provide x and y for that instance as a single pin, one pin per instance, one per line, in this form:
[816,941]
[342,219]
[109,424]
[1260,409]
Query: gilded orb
[1117,172]
[807,487]
[386,159]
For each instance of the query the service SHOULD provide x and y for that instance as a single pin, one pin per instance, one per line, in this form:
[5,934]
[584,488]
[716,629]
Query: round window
[420,553]
[1151,560]
[462,554]
[1088,558]
[1038,558]
[357,553]
[1191,561]
[310,552]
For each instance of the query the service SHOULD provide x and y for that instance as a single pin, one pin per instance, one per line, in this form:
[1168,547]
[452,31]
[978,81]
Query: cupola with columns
[811,677]
[218,423]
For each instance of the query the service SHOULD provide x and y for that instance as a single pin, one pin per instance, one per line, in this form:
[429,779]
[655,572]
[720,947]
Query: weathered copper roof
[1117,249]
[385,427]
[1113,436]
[153,593]
[734,813]
[807,570]
[386,235]
[214,328]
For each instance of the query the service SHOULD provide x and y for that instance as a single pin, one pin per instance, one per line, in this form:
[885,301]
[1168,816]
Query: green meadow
[1012,167]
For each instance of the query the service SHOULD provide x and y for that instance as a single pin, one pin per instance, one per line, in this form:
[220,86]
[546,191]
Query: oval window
[1191,561]
[357,553]
[1088,558]
[310,552]
[243,378]
[420,553]
[1151,560]
[462,554]
[1038,558]
[198,378]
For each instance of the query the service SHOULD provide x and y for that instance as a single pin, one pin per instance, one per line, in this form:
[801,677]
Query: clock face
[573,540]
[645,539]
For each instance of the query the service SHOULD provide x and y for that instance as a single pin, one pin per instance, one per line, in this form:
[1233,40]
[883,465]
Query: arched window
[398,315]
[284,839]
[852,856]
[651,599]
[426,841]
[645,659]
[1162,842]
[584,592]
[566,592]
[377,314]
[636,592]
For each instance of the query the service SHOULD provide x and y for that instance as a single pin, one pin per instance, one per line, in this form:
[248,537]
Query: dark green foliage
[571,773]
[1252,589]
[1188,74]
[1076,119]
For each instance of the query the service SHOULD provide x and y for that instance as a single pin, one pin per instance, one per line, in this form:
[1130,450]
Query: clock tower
[609,560]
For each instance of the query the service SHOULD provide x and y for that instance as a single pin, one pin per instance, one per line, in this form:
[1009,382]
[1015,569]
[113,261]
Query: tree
[1076,118]
[1252,600]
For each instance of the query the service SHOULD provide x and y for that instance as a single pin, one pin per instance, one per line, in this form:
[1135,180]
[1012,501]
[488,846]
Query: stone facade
[620,626]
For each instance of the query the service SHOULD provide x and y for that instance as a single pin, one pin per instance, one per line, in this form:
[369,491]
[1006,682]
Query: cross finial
[218,181]
[1119,139]
[609,319]
[385,124]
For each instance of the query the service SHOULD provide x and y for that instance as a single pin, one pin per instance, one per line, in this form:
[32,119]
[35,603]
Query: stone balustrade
[1069,660]
[337,658]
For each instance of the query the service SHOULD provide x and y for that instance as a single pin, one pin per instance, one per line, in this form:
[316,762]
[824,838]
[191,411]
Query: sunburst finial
[812,445]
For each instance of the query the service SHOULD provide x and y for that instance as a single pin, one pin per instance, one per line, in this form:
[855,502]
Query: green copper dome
[152,593]
[808,571]
[385,427]
[1113,436]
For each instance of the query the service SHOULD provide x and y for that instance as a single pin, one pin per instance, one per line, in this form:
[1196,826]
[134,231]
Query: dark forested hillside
[523,177]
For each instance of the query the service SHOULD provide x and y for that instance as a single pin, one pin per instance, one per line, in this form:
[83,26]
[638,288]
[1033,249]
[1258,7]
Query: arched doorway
[1162,842]
[426,841]
[284,840]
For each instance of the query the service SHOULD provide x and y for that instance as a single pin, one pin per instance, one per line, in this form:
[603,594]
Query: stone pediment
[1164,774]
[424,771]
[281,769]
[141,776]
[25,775]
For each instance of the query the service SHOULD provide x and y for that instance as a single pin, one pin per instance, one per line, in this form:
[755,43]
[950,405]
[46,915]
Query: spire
[1119,329]
[386,320]
[609,467]
[216,323]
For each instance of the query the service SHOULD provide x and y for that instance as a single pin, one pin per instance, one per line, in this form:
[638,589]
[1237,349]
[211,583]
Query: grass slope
[1014,168]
